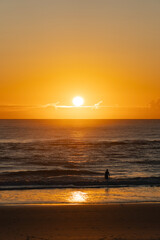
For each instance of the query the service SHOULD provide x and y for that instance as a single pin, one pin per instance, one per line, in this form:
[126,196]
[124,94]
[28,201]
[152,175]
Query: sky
[101,50]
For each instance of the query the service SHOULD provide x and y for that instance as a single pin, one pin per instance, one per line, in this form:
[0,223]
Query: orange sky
[105,50]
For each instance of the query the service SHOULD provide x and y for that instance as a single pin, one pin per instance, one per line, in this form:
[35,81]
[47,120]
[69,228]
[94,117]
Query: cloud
[15,107]
[49,105]
[97,104]
[151,110]
[56,106]
[155,104]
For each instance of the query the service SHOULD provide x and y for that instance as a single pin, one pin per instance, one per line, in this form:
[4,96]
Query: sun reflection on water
[78,197]
[81,196]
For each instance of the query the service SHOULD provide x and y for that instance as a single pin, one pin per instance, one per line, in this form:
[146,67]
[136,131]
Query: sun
[78,101]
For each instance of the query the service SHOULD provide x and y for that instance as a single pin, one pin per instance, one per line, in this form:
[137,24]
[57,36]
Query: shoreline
[53,187]
[111,221]
[81,196]
[77,204]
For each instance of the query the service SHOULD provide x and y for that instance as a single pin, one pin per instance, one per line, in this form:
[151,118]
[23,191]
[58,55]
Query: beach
[102,221]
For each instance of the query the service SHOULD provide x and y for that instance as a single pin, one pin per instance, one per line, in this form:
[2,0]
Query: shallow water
[81,196]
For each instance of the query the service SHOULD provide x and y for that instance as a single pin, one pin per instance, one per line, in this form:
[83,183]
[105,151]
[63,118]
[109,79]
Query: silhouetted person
[107,174]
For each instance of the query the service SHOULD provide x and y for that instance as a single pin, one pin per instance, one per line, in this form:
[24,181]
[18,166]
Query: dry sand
[51,222]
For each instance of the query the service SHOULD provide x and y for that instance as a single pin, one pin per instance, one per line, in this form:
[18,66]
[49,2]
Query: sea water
[59,158]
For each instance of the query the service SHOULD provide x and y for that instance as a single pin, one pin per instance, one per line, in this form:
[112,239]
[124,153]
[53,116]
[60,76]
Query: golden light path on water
[78,196]
[81,195]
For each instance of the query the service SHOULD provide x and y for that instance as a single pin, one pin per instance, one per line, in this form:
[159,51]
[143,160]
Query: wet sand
[102,222]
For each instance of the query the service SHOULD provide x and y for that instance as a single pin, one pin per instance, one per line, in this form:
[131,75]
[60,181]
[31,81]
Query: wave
[147,162]
[78,182]
[66,141]
[130,142]
[49,173]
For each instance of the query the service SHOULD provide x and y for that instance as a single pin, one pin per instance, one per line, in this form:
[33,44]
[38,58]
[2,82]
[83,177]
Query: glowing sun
[78,101]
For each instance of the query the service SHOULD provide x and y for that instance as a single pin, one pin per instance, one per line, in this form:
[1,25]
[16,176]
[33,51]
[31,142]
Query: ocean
[59,157]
